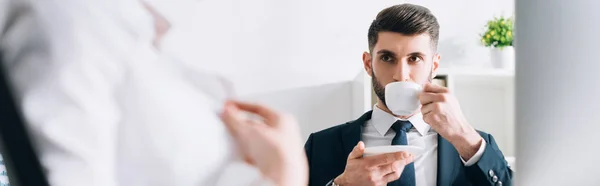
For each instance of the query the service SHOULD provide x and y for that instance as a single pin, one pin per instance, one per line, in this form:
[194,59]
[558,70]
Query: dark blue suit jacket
[327,151]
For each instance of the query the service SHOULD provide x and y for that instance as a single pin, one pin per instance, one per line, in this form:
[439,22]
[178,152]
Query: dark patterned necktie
[407,178]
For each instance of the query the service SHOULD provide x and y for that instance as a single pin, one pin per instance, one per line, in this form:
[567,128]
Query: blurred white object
[416,151]
[503,58]
[107,107]
[557,93]
[3,173]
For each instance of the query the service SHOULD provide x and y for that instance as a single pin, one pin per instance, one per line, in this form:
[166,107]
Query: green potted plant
[498,36]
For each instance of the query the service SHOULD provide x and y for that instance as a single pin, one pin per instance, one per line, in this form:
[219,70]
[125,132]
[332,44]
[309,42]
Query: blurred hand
[375,170]
[273,145]
[441,110]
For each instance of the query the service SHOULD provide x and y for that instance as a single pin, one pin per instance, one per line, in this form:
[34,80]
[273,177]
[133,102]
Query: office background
[304,57]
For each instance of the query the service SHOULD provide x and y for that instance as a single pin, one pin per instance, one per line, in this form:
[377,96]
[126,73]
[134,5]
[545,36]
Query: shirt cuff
[477,155]
[330,183]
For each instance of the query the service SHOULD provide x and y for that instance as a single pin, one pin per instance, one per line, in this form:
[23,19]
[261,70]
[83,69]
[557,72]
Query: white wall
[269,45]
[316,107]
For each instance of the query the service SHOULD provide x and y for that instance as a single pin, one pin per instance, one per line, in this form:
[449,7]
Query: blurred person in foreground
[106,106]
[403,48]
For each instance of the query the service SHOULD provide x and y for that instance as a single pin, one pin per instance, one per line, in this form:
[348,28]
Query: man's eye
[414,59]
[386,58]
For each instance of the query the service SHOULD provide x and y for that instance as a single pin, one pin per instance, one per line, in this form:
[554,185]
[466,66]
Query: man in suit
[403,47]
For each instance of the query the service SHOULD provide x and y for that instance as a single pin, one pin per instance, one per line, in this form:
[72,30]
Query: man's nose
[401,72]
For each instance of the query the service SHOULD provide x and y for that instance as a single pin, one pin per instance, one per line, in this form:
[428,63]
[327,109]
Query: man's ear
[436,64]
[368,63]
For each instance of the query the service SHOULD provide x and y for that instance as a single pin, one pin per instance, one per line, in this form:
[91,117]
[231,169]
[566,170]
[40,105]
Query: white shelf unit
[486,98]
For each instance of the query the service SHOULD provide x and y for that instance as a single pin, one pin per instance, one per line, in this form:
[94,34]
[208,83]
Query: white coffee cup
[402,98]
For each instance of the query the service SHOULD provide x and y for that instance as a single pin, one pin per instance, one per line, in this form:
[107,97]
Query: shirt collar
[383,121]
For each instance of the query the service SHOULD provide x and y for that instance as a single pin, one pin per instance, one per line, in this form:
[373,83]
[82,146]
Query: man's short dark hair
[406,19]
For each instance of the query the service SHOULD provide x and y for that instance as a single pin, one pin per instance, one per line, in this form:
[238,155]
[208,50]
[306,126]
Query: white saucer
[414,150]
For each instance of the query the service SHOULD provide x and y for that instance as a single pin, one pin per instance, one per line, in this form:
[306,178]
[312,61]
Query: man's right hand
[372,170]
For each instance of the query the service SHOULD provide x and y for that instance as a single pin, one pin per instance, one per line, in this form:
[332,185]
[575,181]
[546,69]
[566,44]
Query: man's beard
[380,89]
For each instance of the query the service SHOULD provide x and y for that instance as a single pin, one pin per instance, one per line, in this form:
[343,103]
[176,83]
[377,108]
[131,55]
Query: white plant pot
[503,58]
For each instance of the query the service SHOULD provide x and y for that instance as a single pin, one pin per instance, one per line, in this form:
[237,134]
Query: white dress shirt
[377,132]
[106,107]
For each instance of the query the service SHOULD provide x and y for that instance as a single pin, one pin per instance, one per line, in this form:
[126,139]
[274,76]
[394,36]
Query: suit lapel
[352,134]
[448,162]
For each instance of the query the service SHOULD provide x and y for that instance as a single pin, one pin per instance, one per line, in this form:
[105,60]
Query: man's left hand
[441,110]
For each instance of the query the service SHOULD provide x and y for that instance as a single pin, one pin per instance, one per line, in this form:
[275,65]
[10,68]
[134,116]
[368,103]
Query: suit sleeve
[308,150]
[492,168]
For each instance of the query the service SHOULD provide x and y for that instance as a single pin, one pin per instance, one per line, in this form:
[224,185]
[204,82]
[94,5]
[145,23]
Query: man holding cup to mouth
[402,61]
